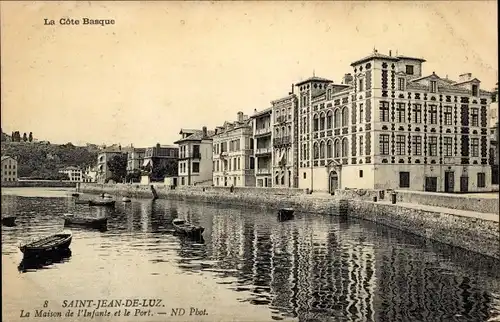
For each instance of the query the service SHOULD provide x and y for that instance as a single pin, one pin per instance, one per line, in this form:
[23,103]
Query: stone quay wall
[38,184]
[474,234]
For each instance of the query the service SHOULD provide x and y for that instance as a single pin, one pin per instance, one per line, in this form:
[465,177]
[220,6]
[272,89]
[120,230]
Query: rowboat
[285,214]
[72,220]
[55,242]
[183,227]
[9,220]
[126,199]
[49,258]
[107,203]
[75,194]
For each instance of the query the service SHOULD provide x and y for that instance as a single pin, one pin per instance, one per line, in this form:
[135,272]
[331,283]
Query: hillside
[43,161]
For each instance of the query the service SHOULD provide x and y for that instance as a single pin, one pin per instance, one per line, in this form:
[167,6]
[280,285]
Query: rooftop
[196,136]
[315,79]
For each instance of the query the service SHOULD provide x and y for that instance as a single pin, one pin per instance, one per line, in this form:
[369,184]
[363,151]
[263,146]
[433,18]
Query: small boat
[75,194]
[107,195]
[81,202]
[49,258]
[285,214]
[126,199]
[56,242]
[9,221]
[72,220]
[186,228]
[107,203]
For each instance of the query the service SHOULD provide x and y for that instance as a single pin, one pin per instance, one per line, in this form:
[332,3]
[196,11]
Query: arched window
[329,151]
[277,132]
[289,130]
[337,148]
[316,151]
[322,121]
[322,150]
[283,131]
[345,148]
[345,117]
[336,118]
[315,122]
[329,117]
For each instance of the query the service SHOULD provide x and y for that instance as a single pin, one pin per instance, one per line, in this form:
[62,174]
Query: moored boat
[285,213]
[107,203]
[183,227]
[55,242]
[72,220]
[9,220]
[75,194]
[126,199]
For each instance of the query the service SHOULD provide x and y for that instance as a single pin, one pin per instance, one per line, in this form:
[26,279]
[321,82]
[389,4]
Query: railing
[263,150]
[263,171]
[263,131]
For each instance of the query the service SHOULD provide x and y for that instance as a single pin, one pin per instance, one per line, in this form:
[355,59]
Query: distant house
[195,157]
[9,168]
[135,159]
[90,175]
[161,156]
[103,157]
[74,174]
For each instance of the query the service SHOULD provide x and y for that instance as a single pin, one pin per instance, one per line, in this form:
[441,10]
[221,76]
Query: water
[249,267]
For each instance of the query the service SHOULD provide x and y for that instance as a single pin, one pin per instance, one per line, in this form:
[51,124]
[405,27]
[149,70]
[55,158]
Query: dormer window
[409,69]
[433,86]
[401,84]
[475,90]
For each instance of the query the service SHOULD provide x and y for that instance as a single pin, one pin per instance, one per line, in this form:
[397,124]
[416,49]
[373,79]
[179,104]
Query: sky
[163,66]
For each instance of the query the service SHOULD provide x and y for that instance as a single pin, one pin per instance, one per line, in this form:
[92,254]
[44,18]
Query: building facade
[233,153]
[389,127]
[90,174]
[135,159]
[161,161]
[195,157]
[103,172]
[285,142]
[74,174]
[263,147]
[9,169]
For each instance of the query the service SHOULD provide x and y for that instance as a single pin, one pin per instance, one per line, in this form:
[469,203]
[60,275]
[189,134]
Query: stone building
[263,147]
[285,141]
[135,159]
[103,172]
[233,153]
[74,174]
[9,168]
[195,157]
[389,127]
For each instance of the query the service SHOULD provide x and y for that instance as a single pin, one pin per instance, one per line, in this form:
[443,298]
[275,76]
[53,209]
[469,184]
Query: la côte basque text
[76,22]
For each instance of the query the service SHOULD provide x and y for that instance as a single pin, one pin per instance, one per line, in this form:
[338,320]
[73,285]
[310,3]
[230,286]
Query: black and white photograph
[249,161]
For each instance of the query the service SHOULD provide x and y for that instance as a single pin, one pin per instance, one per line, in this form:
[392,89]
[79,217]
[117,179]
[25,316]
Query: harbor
[267,268]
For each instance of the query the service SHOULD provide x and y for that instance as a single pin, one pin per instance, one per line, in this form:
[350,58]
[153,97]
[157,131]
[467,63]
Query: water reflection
[310,268]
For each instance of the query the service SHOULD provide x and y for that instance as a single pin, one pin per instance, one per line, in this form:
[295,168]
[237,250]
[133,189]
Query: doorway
[334,181]
[464,184]
[449,181]
[431,184]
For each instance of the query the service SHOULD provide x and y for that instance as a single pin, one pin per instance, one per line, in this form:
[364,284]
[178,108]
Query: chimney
[240,116]
[204,132]
[390,53]
[465,77]
[292,88]
[347,79]
[255,110]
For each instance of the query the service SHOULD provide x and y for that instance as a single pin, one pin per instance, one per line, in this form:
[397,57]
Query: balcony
[263,171]
[285,140]
[193,155]
[264,131]
[263,151]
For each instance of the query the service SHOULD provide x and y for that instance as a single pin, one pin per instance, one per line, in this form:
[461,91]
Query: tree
[167,170]
[25,137]
[30,138]
[134,176]
[118,167]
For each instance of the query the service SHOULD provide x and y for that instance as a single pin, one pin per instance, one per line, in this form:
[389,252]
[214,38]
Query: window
[384,144]
[400,144]
[345,148]
[475,117]
[433,87]
[401,84]
[432,146]
[448,148]
[400,112]
[315,123]
[475,147]
[252,163]
[336,148]
[417,113]
[315,151]
[361,149]
[361,173]
[345,117]
[360,85]
[417,145]
[322,149]
[481,180]
[404,179]
[475,90]
[433,114]
[447,115]
[305,175]
[409,69]
[329,117]
[361,113]
[329,149]
[322,122]
[384,111]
